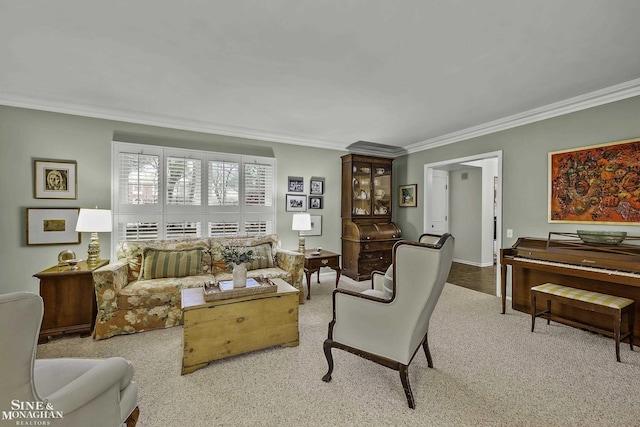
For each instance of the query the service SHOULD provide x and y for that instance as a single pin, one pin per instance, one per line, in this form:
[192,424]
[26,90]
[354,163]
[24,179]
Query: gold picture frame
[55,179]
[596,184]
[52,226]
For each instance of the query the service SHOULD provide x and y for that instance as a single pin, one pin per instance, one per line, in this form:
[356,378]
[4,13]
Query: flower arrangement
[237,255]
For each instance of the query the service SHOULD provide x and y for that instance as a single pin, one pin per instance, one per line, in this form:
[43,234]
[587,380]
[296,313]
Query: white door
[439,203]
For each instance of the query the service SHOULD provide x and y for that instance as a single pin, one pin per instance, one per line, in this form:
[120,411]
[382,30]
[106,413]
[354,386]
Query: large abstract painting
[598,184]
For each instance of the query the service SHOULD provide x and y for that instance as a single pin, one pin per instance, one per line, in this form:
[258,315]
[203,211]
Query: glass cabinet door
[361,197]
[381,190]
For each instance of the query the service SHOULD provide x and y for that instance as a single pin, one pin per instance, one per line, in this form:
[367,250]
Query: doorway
[479,223]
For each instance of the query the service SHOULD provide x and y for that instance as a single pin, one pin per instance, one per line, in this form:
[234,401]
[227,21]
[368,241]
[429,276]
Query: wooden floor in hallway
[482,279]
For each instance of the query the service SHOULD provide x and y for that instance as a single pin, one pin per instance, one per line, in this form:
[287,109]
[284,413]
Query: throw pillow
[262,257]
[158,263]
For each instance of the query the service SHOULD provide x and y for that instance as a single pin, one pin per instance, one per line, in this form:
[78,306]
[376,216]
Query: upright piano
[564,259]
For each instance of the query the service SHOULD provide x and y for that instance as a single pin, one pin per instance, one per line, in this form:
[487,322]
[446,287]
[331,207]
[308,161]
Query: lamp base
[93,253]
[301,243]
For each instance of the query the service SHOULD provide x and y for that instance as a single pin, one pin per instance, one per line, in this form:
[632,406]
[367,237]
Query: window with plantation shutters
[223,228]
[258,185]
[171,193]
[182,229]
[138,230]
[224,183]
[258,228]
[184,181]
[138,178]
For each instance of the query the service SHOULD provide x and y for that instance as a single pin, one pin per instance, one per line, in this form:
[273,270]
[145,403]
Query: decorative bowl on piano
[602,237]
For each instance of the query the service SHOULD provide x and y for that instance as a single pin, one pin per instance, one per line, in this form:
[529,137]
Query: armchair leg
[425,346]
[327,353]
[404,377]
[132,420]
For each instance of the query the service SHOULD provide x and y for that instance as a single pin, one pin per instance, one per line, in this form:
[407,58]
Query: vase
[240,275]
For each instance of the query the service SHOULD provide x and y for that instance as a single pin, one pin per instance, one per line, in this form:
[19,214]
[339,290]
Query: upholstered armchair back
[18,348]
[400,324]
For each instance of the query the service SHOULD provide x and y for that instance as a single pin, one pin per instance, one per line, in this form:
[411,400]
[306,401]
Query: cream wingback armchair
[382,282]
[390,330]
[64,392]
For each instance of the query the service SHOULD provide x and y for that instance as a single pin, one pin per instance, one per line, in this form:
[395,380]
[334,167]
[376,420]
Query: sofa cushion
[218,245]
[131,251]
[161,263]
[157,292]
[262,257]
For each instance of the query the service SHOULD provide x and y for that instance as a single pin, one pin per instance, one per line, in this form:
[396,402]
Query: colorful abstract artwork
[599,184]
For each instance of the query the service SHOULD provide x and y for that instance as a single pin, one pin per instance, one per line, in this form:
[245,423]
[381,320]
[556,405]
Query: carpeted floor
[490,370]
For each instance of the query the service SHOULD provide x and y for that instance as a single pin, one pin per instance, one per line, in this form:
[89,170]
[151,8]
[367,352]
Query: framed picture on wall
[55,179]
[51,226]
[408,196]
[295,184]
[316,226]
[316,185]
[315,202]
[296,203]
[598,184]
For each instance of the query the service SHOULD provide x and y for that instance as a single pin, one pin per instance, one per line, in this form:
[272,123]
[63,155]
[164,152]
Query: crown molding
[607,95]
[592,99]
[165,122]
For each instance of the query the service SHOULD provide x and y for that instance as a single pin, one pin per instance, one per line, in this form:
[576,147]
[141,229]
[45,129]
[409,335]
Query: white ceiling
[326,73]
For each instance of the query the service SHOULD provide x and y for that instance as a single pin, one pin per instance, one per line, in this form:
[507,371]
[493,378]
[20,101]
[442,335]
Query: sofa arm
[293,263]
[108,282]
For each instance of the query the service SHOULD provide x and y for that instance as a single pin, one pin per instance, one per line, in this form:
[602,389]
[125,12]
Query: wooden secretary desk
[368,235]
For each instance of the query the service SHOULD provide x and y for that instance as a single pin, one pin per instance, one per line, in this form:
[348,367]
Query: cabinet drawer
[377,246]
[375,256]
[365,267]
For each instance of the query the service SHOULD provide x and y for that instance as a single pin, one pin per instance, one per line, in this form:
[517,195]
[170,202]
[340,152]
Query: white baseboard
[475,264]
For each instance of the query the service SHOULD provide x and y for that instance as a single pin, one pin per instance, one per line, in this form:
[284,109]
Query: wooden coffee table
[314,261]
[217,329]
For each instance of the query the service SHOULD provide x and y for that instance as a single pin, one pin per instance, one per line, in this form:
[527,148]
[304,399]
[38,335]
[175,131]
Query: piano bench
[615,306]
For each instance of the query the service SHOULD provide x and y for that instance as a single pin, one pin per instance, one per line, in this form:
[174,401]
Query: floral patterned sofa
[137,293]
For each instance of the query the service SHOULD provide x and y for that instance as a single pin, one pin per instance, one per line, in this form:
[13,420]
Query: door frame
[428,182]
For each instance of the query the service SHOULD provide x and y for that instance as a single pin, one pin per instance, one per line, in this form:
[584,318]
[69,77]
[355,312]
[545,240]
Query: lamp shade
[301,222]
[94,221]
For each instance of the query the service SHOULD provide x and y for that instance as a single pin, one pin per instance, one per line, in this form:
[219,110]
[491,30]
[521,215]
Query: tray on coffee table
[254,287]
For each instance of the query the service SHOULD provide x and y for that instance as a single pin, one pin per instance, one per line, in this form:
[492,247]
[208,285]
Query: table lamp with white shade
[301,223]
[94,221]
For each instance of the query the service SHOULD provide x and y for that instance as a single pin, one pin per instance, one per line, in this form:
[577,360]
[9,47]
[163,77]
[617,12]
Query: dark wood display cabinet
[368,235]
[69,300]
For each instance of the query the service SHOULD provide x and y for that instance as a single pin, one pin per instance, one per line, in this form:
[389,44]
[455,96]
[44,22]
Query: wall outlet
[509,232]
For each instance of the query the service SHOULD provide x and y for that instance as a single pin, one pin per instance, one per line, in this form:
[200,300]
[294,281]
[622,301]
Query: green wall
[524,172]
[26,135]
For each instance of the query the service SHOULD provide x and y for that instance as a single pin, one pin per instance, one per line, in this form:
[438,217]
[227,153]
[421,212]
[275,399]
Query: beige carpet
[490,370]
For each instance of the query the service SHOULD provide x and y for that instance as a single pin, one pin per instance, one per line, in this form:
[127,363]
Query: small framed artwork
[51,226]
[296,203]
[315,202]
[296,184]
[408,196]
[316,226]
[55,179]
[316,185]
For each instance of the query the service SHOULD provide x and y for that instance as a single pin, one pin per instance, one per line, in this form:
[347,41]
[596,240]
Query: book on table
[227,285]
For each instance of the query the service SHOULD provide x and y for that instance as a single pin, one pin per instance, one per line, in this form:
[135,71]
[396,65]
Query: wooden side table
[313,261]
[69,300]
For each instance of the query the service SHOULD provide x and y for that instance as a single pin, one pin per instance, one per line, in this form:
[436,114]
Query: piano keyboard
[579,267]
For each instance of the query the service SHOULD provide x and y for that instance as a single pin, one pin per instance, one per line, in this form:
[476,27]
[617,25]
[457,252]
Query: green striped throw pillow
[262,257]
[158,263]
